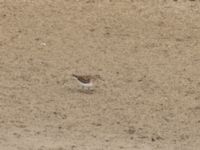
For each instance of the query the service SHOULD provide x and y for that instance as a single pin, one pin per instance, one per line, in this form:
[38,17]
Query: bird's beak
[99,77]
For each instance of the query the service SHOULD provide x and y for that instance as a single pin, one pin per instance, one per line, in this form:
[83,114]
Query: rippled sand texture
[147,53]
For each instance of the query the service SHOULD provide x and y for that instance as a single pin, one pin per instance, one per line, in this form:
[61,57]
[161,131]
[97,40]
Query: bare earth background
[146,51]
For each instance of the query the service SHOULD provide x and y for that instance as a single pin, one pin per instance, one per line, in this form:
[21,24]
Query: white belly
[87,84]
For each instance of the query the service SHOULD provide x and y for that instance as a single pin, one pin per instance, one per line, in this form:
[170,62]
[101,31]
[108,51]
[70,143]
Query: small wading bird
[86,81]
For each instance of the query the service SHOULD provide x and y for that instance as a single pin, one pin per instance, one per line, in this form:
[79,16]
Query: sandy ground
[146,51]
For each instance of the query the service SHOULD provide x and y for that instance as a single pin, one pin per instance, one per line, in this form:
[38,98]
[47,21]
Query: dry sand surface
[147,53]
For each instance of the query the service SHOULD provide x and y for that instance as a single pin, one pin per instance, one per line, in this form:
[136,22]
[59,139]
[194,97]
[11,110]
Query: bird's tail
[74,75]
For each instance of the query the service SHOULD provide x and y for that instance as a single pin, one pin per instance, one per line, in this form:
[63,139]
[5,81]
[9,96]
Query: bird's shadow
[84,91]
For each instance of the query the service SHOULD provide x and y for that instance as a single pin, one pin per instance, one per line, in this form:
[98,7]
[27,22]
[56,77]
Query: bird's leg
[83,87]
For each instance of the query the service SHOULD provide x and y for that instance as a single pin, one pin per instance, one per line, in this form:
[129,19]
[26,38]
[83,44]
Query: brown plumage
[83,79]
